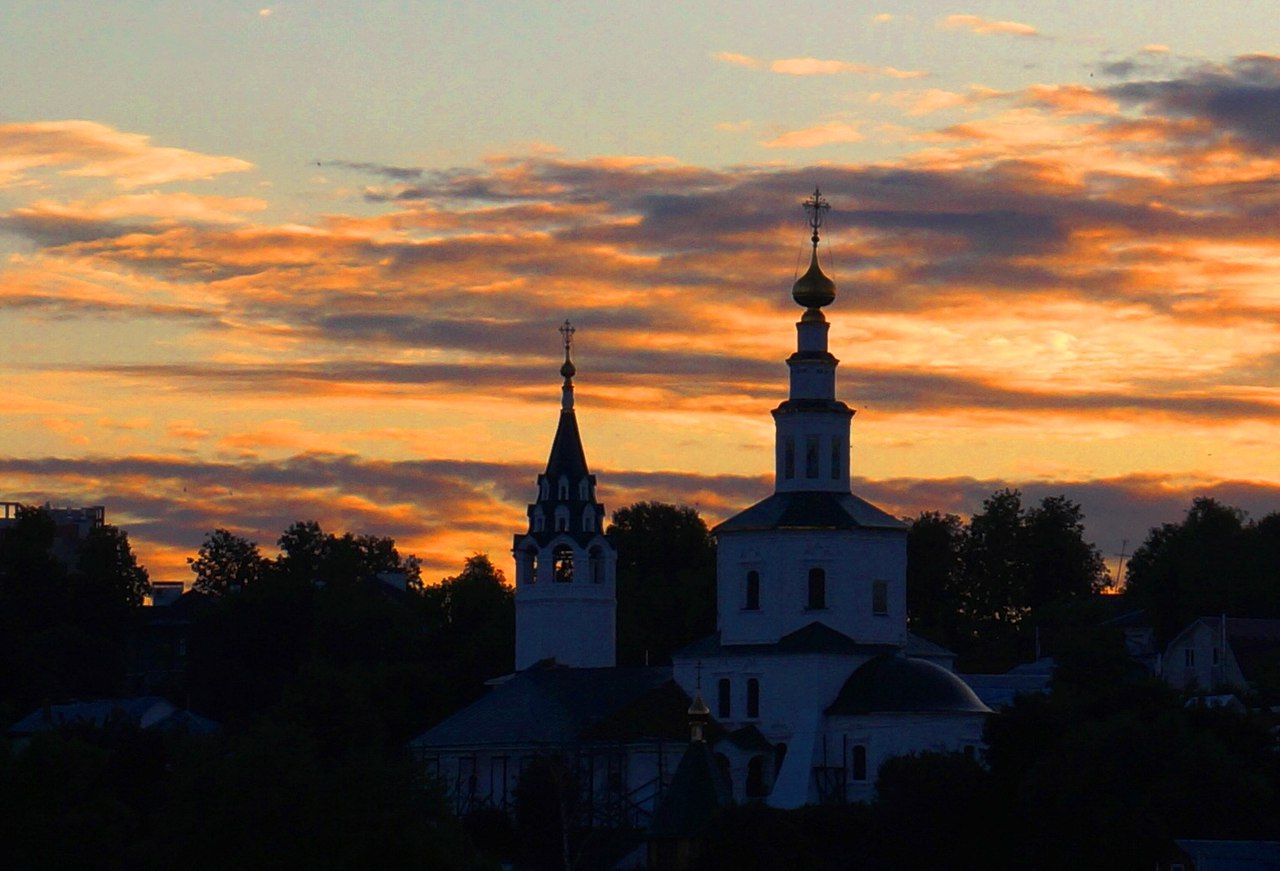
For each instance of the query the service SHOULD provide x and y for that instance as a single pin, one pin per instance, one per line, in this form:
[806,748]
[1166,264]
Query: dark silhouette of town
[324,706]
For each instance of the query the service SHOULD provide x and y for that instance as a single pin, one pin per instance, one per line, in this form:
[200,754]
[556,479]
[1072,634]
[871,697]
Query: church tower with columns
[812,552]
[566,599]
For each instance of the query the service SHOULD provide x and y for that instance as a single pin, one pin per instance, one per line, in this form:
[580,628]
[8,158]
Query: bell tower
[566,599]
[812,447]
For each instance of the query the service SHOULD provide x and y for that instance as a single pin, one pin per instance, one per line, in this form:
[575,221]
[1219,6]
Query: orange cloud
[739,60]
[808,66]
[86,148]
[813,137]
[986,26]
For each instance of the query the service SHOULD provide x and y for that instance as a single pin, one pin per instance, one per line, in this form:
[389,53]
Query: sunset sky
[307,261]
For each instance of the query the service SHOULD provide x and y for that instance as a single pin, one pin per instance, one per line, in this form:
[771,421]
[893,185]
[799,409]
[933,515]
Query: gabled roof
[145,712]
[811,509]
[815,638]
[554,706]
[1258,855]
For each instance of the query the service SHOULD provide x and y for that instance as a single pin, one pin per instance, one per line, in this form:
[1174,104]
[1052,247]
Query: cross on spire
[568,370]
[815,210]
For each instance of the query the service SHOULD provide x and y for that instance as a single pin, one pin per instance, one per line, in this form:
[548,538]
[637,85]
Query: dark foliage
[1215,561]
[64,627]
[666,580]
[981,588]
[118,797]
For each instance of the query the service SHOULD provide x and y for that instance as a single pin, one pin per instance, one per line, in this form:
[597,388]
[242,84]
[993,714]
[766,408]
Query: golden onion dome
[814,289]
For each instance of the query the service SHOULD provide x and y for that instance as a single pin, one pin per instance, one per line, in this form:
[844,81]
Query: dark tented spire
[567,455]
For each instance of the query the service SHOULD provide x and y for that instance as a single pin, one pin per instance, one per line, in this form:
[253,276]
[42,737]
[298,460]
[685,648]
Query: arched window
[539,522]
[562,565]
[811,457]
[528,565]
[753,697]
[723,698]
[752,599]
[859,762]
[817,589]
[755,778]
[562,491]
[562,519]
[584,489]
[596,564]
[589,519]
[880,598]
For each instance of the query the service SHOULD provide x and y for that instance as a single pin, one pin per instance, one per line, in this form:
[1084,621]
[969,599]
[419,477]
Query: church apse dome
[893,684]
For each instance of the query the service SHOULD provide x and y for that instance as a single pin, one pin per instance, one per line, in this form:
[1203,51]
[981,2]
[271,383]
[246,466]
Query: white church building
[812,678]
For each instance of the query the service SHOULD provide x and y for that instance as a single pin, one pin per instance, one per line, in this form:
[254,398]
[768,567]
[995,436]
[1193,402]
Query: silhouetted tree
[666,580]
[310,555]
[934,574]
[973,587]
[1215,561]
[226,563]
[32,579]
[471,624]
[107,585]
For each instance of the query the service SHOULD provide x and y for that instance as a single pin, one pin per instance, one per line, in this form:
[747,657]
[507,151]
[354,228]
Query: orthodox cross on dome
[568,370]
[814,289]
[815,210]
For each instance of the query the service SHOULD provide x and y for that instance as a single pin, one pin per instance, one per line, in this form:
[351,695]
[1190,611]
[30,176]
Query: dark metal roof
[698,789]
[1252,855]
[567,456]
[554,706]
[899,684]
[811,509]
[814,638]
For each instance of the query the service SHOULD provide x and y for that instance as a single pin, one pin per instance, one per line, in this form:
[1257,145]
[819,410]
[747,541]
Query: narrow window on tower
[788,458]
[836,463]
[562,491]
[723,709]
[811,457]
[752,599]
[880,598]
[753,697]
[528,569]
[817,589]
[596,565]
[562,567]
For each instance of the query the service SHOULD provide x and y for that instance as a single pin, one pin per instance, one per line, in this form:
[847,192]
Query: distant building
[150,713]
[72,526]
[812,679]
[1193,855]
[1215,653]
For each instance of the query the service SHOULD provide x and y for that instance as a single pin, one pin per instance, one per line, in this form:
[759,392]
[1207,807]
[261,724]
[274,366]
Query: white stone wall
[852,561]
[574,623]
[885,736]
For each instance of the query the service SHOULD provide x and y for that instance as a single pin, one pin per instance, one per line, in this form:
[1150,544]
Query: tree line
[320,673]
